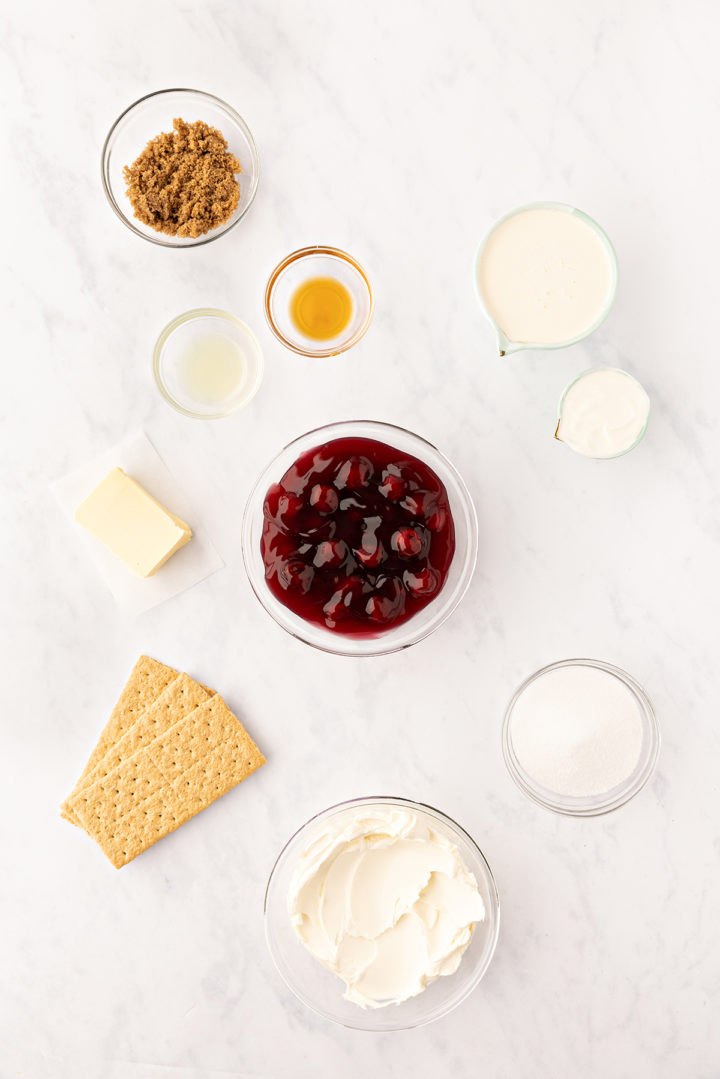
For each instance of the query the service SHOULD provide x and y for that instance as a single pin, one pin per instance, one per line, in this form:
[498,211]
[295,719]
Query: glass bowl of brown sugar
[170,178]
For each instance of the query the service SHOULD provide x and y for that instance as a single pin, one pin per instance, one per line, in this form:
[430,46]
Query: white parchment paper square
[192,563]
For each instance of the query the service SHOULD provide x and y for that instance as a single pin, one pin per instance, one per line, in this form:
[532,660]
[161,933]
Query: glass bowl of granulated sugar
[580,737]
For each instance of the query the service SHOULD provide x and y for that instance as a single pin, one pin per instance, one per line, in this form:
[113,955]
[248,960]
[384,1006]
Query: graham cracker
[176,701]
[169,780]
[147,680]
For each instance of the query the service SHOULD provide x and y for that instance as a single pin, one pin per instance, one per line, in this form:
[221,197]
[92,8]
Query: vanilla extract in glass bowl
[318,301]
[321,308]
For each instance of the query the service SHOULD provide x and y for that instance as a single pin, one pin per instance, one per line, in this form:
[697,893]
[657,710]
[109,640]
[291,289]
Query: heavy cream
[545,276]
[603,413]
[383,900]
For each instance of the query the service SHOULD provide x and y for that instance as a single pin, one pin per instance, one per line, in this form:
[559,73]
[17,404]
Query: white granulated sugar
[577,731]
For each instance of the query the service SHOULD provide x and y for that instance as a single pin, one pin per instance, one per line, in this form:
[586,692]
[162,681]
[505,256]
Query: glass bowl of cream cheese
[546,277]
[381,914]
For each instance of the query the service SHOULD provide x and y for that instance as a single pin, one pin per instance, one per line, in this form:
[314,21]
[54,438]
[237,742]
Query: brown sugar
[183,183]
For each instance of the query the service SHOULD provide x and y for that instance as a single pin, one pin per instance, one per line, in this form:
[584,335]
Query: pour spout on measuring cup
[505,345]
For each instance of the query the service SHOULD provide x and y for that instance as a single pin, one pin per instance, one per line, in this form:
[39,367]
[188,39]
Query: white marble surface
[398,131]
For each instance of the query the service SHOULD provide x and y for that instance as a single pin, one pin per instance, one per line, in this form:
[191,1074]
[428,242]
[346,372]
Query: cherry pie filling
[357,536]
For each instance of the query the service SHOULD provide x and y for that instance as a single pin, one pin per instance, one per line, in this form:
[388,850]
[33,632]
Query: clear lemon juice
[211,368]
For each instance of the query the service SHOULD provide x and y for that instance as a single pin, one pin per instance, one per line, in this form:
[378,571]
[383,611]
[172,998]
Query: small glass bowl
[606,802]
[590,371]
[175,339]
[146,119]
[505,345]
[317,262]
[426,620]
[322,990]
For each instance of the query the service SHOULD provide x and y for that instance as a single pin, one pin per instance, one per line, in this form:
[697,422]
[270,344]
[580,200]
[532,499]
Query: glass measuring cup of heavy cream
[546,277]
[603,413]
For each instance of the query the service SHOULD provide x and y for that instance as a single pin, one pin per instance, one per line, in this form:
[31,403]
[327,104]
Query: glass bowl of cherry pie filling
[360,538]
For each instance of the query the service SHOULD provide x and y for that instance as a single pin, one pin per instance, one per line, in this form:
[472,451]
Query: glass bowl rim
[506,346]
[298,256]
[222,230]
[573,381]
[189,316]
[471,559]
[423,807]
[595,805]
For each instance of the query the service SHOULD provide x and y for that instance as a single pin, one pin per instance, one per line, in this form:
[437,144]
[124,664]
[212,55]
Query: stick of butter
[132,524]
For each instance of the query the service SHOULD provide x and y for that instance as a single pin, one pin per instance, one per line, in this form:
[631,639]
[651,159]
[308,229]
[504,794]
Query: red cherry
[392,487]
[339,604]
[330,554]
[313,525]
[370,559]
[272,498]
[371,552]
[305,471]
[355,472]
[323,498]
[275,544]
[422,583]
[295,576]
[407,542]
[437,520]
[420,503]
[388,602]
[281,507]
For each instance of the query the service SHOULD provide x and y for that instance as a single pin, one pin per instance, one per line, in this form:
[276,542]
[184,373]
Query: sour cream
[603,413]
[384,901]
[546,276]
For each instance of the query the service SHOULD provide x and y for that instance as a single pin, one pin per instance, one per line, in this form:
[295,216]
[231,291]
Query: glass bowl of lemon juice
[207,363]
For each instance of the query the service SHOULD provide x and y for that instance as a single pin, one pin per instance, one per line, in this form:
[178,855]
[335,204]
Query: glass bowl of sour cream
[603,413]
[546,276]
[381,914]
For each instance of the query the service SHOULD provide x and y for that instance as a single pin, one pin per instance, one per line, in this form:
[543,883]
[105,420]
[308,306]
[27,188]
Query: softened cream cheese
[545,276]
[384,901]
[603,413]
